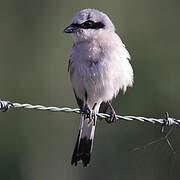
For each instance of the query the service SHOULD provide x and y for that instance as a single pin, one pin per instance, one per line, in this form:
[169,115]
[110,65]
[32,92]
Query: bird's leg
[89,114]
[86,111]
[112,117]
[93,115]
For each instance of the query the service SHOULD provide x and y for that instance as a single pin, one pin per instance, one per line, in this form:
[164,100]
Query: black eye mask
[89,25]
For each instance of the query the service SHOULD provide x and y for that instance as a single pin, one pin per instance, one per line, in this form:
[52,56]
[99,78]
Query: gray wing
[69,64]
[79,101]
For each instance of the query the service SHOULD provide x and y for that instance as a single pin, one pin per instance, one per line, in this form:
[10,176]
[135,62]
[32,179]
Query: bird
[99,66]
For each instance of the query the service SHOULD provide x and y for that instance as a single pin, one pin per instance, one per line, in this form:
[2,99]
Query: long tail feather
[84,143]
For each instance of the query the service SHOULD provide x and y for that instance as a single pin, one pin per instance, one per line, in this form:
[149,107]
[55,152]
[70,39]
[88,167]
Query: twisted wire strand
[167,121]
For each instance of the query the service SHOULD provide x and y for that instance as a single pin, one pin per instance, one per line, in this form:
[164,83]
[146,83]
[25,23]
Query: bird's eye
[88,24]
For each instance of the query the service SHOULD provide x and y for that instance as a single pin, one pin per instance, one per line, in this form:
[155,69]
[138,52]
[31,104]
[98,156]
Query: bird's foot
[93,115]
[89,114]
[86,111]
[112,118]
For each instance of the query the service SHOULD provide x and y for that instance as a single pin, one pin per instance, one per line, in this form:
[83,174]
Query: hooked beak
[71,29]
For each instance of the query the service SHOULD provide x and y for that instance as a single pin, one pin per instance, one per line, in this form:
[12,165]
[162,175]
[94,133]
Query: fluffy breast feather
[100,67]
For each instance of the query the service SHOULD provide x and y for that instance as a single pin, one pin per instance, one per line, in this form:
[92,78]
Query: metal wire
[167,121]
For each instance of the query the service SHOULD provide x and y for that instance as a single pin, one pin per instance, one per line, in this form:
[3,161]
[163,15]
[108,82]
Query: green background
[37,145]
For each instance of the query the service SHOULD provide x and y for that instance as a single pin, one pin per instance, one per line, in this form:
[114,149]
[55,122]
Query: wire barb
[168,122]
[5,105]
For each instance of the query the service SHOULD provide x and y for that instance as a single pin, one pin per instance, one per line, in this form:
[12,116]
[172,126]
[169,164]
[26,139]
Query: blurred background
[34,55]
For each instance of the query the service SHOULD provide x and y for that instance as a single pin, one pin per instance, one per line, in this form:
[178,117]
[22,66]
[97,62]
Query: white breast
[100,67]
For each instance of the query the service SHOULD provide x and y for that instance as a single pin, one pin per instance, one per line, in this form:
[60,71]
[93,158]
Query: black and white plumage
[99,67]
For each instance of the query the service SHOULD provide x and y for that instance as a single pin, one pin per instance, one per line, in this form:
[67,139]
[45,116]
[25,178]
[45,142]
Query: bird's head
[87,23]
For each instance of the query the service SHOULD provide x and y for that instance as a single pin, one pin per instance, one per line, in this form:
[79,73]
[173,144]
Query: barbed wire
[167,121]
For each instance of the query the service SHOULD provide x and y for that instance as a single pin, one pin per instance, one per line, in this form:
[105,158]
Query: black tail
[82,151]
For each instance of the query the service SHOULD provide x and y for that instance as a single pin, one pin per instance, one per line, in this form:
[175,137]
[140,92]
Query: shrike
[99,67]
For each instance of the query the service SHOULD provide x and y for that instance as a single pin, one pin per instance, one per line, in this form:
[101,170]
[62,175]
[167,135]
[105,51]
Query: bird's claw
[112,118]
[92,117]
[86,111]
[89,114]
